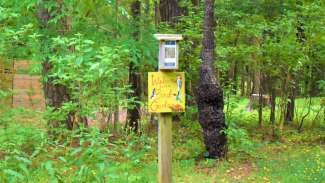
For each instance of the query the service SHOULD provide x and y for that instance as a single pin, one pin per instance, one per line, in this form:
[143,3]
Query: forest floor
[26,154]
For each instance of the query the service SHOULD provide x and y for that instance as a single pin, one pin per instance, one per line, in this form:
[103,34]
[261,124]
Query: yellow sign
[166,92]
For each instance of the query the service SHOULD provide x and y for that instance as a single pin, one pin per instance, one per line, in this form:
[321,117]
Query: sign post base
[165,148]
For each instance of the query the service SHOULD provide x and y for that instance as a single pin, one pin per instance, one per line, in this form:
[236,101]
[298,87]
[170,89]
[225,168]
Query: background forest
[93,57]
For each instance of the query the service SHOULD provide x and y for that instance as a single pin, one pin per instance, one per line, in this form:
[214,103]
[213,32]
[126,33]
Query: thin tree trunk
[234,70]
[55,94]
[256,82]
[116,107]
[157,14]
[196,3]
[242,87]
[210,94]
[303,118]
[290,108]
[289,114]
[116,118]
[260,101]
[169,11]
[272,114]
[273,104]
[134,114]
[234,79]
[249,82]
[188,81]
[283,102]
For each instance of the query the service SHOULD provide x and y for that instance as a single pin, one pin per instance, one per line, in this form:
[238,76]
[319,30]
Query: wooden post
[165,148]
[168,61]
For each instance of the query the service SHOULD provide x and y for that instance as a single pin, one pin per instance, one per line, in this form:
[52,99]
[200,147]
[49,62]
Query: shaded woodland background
[258,65]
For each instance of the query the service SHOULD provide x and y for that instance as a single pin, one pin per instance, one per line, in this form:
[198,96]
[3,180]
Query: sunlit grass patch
[296,164]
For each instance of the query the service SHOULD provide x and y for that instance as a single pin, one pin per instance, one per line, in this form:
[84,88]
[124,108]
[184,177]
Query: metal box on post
[168,51]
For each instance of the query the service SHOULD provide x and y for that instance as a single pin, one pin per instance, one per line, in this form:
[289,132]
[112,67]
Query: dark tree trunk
[260,100]
[116,106]
[234,70]
[188,86]
[134,114]
[273,103]
[242,86]
[169,11]
[210,94]
[289,116]
[196,3]
[256,82]
[157,14]
[249,83]
[234,79]
[290,107]
[55,94]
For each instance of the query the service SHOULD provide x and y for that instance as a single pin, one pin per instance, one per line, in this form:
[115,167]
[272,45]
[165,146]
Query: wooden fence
[6,82]
[26,89]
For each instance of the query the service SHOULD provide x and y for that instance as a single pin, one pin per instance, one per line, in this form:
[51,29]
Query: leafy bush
[86,155]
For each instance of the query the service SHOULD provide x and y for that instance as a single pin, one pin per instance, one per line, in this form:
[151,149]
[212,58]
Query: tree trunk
[55,94]
[195,3]
[157,14]
[234,79]
[169,11]
[289,115]
[242,86]
[256,82]
[249,82]
[290,108]
[260,100]
[273,103]
[234,70]
[134,114]
[116,106]
[116,118]
[210,94]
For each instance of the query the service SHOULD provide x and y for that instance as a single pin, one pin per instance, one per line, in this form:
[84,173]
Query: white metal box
[168,51]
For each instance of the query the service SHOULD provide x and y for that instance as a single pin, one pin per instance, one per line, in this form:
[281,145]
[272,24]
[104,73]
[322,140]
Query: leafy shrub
[86,155]
[239,140]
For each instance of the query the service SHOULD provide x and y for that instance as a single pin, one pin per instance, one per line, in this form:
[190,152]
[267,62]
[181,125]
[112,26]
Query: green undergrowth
[28,155]
[86,156]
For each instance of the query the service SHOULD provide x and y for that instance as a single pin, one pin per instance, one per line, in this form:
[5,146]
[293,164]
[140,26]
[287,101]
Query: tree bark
[242,86]
[290,107]
[116,106]
[134,113]
[234,78]
[169,11]
[273,103]
[55,94]
[157,14]
[249,82]
[195,3]
[233,71]
[260,100]
[210,94]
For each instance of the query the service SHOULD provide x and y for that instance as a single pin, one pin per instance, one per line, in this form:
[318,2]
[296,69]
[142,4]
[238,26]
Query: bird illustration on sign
[166,92]
[179,88]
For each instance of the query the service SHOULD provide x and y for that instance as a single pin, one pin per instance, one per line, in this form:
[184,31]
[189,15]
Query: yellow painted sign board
[166,92]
